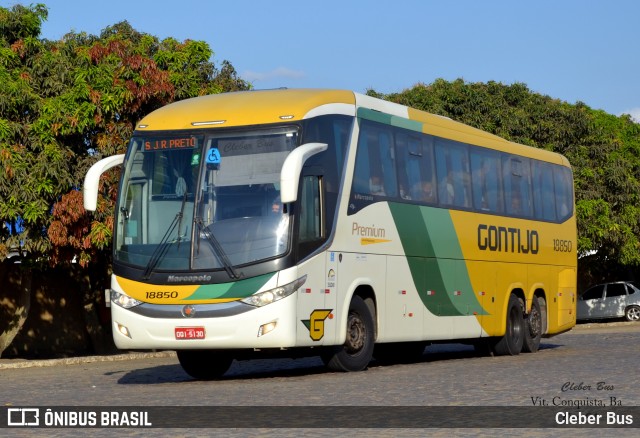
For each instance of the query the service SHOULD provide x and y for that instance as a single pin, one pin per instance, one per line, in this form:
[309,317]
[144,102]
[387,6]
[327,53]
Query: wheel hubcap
[356,334]
[633,314]
[535,323]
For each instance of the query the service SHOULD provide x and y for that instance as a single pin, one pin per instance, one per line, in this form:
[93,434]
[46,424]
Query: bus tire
[204,364]
[533,327]
[357,351]
[511,343]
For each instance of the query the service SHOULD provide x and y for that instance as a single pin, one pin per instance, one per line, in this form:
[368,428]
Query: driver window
[310,213]
[593,293]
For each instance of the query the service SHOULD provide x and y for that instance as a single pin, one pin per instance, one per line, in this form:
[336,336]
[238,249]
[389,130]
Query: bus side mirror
[92,180]
[292,167]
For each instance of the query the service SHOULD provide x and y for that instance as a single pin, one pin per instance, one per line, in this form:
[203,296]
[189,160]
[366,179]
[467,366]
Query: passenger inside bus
[427,194]
[375,186]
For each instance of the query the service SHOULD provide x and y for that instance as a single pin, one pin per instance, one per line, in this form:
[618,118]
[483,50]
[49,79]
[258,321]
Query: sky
[573,50]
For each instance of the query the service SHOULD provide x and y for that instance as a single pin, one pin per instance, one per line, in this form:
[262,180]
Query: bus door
[316,298]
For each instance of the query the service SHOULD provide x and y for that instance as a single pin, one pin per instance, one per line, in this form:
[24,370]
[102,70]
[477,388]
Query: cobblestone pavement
[593,363]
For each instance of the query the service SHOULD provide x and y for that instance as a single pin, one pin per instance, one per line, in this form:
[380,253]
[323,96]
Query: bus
[330,223]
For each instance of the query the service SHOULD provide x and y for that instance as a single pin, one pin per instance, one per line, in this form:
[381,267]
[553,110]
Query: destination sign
[170,143]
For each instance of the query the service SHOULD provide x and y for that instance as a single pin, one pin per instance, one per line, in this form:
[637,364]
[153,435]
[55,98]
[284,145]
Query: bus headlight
[272,295]
[123,300]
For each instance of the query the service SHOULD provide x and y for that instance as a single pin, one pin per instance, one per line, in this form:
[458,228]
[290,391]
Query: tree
[64,105]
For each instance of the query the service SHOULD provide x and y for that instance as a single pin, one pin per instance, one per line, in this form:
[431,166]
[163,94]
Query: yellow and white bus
[327,222]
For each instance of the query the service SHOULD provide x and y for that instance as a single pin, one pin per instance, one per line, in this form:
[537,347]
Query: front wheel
[204,364]
[632,313]
[511,343]
[357,351]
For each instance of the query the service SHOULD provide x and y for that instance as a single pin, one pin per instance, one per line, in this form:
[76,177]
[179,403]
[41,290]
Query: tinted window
[375,162]
[415,168]
[335,131]
[564,192]
[401,165]
[452,169]
[310,214]
[593,293]
[517,185]
[486,180]
[544,201]
[615,290]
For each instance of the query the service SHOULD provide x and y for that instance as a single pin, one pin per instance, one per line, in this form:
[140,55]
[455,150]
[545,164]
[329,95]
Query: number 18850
[560,245]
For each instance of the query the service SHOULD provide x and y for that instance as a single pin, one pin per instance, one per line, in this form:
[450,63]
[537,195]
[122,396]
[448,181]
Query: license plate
[189,333]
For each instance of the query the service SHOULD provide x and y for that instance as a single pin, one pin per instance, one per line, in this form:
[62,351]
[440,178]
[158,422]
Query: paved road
[591,364]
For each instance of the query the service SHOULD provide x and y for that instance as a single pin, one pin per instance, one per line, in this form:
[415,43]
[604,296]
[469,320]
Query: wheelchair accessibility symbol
[213,157]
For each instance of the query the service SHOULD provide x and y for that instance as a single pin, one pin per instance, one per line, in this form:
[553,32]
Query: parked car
[610,300]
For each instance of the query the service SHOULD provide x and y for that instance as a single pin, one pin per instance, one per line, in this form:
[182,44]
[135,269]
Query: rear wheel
[511,343]
[533,328]
[357,351]
[205,364]
[632,313]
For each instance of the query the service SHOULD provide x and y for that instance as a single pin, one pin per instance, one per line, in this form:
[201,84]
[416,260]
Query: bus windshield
[203,201]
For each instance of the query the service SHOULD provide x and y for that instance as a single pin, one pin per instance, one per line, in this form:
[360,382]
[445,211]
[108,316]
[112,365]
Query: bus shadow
[240,370]
[154,375]
[258,369]
[447,352]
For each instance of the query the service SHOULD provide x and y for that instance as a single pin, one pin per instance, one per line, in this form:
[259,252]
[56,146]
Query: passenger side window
[452,169]
[415,168]
[486,180]
[615,290]
[564,192]
[544,201]
[593,293]
[375,172]
[517,186]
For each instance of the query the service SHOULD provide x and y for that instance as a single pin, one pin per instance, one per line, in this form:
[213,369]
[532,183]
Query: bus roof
[245,108]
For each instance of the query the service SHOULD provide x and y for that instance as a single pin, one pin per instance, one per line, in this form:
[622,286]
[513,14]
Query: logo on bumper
[188,311]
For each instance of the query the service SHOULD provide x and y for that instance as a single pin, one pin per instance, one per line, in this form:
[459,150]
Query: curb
[39,363]
[582,326]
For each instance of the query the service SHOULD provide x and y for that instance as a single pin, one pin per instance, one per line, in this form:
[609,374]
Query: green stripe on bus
[435,260]
[388,119]
[237,289]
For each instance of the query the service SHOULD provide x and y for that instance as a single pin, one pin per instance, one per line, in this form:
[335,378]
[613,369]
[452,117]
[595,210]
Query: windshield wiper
[217,248]
[163,246]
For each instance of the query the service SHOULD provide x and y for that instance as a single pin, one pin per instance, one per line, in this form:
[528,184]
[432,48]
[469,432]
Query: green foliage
[21,22]
[603,149]
[66,103]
